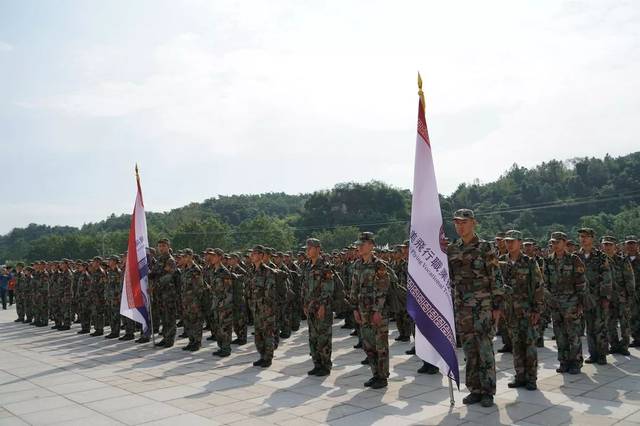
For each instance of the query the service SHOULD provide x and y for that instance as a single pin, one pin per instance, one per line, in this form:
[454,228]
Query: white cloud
[274,87]
[5,47]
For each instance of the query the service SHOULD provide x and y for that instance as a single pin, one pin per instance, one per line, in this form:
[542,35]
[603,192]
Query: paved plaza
[50,377]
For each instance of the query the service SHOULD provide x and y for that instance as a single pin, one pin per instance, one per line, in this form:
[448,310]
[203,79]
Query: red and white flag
[135,303]
[429,299]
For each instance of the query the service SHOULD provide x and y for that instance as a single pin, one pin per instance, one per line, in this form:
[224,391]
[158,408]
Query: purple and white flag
[429,299]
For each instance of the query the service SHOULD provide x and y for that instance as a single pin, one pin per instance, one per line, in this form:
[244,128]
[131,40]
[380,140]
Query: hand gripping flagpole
[153,336]
[421,94]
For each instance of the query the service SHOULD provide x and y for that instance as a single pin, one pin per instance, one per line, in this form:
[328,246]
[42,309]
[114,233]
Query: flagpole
[422,104]
[453,402]
[153,336]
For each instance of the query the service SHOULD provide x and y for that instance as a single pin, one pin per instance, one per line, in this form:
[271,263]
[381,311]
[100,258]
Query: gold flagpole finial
[420,92]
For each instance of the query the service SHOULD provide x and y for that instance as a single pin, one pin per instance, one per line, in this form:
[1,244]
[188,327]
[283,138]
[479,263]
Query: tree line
[555,195]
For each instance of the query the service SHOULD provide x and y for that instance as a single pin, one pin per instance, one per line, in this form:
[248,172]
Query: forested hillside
[556,195]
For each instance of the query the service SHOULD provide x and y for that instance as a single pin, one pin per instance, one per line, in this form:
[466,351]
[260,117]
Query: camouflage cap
[313,242]
[464,214]
[513,235]
[187,252]
[218,251]
[631,239]
[163,241]
[114,258]
[589,231]
[365,236]
[234,255]
[558,236]
[96,259]
[608,239]
[405,243]
[528,241]
[500,235]
[258,249]
[571,243]
[279,254]
[19,264]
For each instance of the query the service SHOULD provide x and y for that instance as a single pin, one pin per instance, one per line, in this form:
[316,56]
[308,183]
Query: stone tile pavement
[49,377]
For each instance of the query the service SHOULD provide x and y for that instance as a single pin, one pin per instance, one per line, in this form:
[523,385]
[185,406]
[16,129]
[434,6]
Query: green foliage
[266,230]
[599,193]
[338,237]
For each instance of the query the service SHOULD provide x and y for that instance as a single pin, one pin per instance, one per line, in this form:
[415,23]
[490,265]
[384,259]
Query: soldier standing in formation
[112,295]
[239,300]
[521,274]
[599,289]
[222,287]
[479,303]
[623,297]
[370,284]
[264,302]
[20,288]
[163,274]
[564,275]
[97,285]
[193,296]
[317,296]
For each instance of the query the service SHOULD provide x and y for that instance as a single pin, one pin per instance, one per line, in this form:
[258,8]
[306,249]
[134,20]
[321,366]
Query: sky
[222,97]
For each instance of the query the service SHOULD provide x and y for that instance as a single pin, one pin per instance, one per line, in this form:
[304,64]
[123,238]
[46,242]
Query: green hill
[556,195]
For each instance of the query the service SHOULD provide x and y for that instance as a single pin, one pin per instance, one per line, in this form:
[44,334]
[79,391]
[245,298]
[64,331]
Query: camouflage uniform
[222,286]
[162,273]
[404,322]
[479,289]
[40,282]
[264,305]
[210,313]
[96,299]
[635,304]
[28,293]
[317,291]
[65,289]
[283,302]
[599,288]
[20,288]
[82,296]
[526,297]
[194,293]
[239,304]
[295,280]
[622,298]
[112,296]
[370,284]
[55,296]
[565,280]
